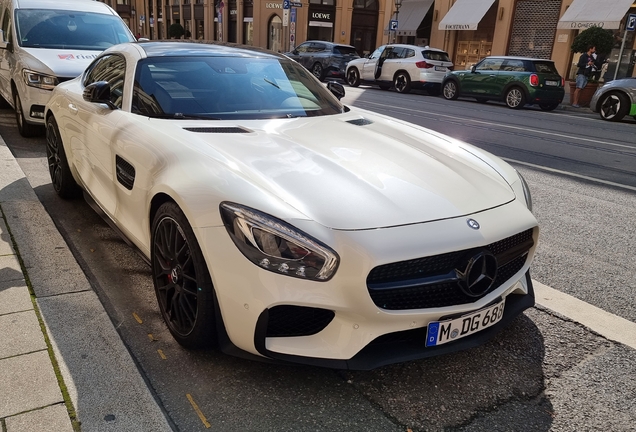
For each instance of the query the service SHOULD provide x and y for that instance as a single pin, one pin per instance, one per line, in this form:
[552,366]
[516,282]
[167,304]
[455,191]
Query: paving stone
[20,333]
[6,246]
[14,297]
[27,382]
[10,269]
[50,419]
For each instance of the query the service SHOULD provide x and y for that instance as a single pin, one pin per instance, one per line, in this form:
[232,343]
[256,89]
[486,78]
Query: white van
[46,42]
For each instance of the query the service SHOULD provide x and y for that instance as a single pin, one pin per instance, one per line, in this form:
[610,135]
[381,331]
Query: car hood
[65,63]
[357,171]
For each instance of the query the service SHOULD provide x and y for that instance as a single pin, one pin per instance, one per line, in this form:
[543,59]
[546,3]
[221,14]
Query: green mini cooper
[515,80]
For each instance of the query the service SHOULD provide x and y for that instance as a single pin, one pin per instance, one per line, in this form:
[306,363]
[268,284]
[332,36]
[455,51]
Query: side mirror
[294,52]
[336,89]
[472,69]
[98,92]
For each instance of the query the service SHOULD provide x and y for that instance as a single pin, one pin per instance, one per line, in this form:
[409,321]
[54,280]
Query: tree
[602,39]
[176,31]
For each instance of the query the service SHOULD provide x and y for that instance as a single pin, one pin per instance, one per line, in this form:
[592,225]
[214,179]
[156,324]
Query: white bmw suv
[403,67]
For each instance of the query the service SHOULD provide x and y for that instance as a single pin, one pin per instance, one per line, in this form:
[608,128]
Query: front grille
[286,321]
[431,282]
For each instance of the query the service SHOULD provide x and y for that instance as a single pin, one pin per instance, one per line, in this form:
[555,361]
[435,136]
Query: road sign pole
[631,24]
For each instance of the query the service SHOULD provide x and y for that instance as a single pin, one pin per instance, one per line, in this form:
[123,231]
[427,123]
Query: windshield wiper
[181,116]
[271,82]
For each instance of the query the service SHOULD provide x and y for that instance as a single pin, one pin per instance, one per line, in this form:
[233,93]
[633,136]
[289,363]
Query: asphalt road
[543,373]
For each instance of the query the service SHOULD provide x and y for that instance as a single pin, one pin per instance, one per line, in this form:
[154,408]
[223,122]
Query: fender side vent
[220,130]
[125,173]
[360,122]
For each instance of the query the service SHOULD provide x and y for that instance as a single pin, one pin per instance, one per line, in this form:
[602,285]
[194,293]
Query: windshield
[436,55]
[228,88]
[43,28]
[345,50]
[545,67]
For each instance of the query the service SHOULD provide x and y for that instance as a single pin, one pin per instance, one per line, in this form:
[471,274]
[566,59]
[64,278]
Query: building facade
[467,29]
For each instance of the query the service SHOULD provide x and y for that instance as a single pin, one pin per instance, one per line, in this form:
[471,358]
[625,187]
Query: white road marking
[567,173]
[525,129]
[604,323]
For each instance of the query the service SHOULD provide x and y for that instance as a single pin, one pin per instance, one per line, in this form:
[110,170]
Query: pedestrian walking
[586,68]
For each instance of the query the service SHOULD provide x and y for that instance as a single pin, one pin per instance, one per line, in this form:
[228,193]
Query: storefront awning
[465,15]
[588,13]
[411,15]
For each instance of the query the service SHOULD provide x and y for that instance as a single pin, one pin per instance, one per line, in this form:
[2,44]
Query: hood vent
[219,130]
[360,122]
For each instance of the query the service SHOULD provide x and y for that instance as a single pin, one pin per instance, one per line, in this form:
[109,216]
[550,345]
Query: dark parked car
[615,100]
[515,80]
[324,59]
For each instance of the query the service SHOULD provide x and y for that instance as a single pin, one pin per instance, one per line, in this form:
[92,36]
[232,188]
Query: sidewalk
[63,366]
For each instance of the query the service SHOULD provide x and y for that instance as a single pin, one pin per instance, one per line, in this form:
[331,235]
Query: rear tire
[548,107]
[515,98]
[63,182]
[27,130]
[181,278]
[613,106]
[353,77]
[450,91]
[402,82]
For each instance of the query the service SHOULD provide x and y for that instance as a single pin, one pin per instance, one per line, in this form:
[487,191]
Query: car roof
[73,5]
[419,47]
[175,48]
[520,58]
[327,43]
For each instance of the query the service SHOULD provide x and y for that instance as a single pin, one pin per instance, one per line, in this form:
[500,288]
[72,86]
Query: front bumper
[356,336]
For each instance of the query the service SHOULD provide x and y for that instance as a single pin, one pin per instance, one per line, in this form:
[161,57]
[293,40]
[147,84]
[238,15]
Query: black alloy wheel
[317,71]
[61,177]
[181,278]
[450,90]
[353,77]
[614,106]
[402,82]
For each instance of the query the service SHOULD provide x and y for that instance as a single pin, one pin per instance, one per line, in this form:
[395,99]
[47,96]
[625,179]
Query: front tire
[353,77]
[515,98]
[450,90]
[27,130]
[402,82]
[318,71]
[181,278]
[613,106]
[61,177]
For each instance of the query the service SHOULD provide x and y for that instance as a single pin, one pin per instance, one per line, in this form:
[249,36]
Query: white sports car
[282,225]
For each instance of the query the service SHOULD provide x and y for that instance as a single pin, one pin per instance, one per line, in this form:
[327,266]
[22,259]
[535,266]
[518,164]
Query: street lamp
[398,4]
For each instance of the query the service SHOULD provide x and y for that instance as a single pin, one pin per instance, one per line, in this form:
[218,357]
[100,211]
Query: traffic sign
[296,4]
[631,22]
[286,4]
[393,25]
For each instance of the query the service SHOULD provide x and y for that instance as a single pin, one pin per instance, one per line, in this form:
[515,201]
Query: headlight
[35,79]
[526,191]
[274,245]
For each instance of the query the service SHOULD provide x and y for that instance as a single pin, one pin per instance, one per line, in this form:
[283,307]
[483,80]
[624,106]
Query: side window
[317,47]
[514,66]
[6,25]
[396,53]
[408,53]
[110,68]
[302,48]
[489,64]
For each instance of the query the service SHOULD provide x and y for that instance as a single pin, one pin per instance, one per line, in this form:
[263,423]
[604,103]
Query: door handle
[72,108]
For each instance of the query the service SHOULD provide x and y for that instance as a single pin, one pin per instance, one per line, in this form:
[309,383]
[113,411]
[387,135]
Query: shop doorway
[364,26]
[275,34]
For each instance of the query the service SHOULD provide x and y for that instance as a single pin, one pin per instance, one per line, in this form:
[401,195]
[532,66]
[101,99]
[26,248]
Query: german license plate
[441,332]
[551,83]
[440,68]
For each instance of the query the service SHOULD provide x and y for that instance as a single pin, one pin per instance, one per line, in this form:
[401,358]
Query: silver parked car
[324,59]
[616,99]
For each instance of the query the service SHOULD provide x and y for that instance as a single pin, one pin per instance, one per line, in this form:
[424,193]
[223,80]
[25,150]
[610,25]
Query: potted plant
[603,40]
